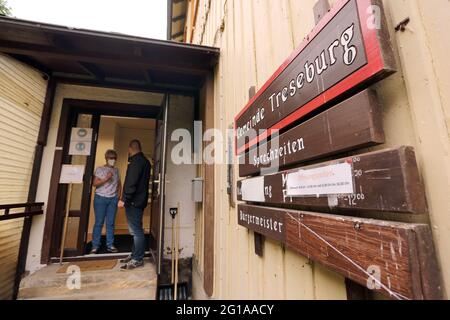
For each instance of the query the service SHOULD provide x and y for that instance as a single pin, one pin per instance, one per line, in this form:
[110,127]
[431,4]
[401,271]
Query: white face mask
[111,162]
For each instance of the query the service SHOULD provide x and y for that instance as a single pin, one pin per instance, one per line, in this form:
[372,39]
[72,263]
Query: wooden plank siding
[22,95]
[10,233]
[255,37]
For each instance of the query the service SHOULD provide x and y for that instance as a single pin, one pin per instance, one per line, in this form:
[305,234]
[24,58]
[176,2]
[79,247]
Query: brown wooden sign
[346,51]
[382,181]
[396,259]
[355,123]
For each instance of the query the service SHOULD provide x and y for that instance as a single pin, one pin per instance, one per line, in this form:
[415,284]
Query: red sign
[347,51]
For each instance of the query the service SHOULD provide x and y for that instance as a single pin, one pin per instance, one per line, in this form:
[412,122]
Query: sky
[145,18]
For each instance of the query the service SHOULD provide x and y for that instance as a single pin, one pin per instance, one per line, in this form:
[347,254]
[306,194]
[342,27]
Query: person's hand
[109,176]
[121,204]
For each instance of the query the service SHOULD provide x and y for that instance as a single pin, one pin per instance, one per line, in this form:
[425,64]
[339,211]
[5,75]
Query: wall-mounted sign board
[382,181]
[354,123]
[80,142]
[81,134]
[80,148]
[72,174]
[348,50]
[396,259]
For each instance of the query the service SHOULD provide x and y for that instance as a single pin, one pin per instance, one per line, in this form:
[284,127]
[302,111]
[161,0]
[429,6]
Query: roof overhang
[107,59]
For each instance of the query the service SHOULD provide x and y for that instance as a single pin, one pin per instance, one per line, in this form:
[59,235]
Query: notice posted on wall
[80,142]
[80,148]
[334,179]
[71,174]
[253,190]
[81,134]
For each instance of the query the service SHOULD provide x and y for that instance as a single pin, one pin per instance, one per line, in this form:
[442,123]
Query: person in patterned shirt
[107,194]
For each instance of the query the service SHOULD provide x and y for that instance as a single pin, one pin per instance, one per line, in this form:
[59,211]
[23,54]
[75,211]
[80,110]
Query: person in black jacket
[135,200]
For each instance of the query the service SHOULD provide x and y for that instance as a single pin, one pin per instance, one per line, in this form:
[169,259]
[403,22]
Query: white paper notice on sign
[253,190]
[71,174]
[80,142]
[81,134]
[80,148]
[334,179]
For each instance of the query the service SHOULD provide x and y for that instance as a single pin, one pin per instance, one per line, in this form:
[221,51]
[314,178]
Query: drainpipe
[32,191]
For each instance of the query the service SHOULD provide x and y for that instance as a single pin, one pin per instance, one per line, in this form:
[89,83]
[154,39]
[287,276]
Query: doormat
[90,265]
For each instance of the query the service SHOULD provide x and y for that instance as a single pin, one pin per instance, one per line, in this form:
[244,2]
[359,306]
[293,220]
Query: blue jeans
[105,208]
[134,218]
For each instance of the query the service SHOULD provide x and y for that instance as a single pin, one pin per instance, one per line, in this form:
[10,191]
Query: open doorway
[115,133]
[112,126]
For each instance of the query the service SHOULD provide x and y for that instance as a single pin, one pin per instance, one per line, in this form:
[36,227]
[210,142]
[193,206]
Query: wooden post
[259,244]
[208,206]
[355,291]
[257,237]
[66,222]
[38,154]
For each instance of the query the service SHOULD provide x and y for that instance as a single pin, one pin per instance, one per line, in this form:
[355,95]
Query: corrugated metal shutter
[22,94]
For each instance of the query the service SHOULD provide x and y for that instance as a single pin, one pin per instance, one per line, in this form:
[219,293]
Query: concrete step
[49,277]
[111,284]
[124,294]
[119,286]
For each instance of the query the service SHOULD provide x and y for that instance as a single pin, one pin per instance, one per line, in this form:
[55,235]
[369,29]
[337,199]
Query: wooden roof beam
[93,70]
[148,77]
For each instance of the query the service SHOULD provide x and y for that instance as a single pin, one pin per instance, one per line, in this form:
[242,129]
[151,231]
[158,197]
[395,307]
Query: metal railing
[30,209]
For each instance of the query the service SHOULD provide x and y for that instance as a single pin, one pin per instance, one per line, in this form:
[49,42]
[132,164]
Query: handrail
[21,205]
[31,209]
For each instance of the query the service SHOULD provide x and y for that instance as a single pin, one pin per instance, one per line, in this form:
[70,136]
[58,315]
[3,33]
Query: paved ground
[114,284]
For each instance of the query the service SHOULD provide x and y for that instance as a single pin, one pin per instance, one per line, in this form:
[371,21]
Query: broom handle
[66,222]
[177,244]
[173,253]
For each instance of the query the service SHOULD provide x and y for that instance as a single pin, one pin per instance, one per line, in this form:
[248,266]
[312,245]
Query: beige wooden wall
[22,94]
[255,37]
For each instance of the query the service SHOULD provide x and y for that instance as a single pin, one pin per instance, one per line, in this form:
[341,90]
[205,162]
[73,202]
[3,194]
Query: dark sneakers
[109,250]
[112,250]
[133,264]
